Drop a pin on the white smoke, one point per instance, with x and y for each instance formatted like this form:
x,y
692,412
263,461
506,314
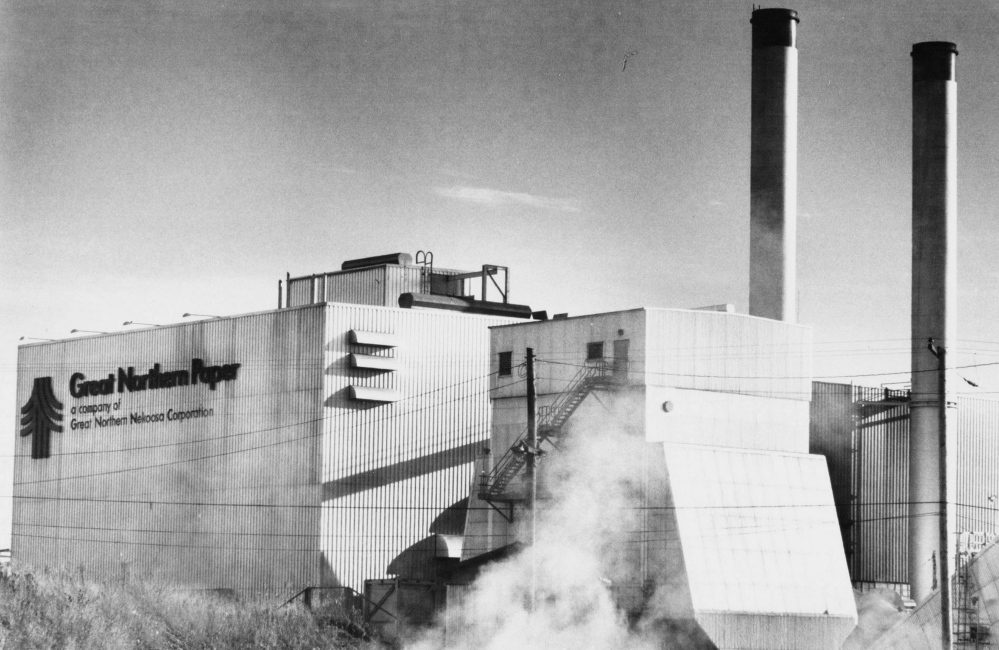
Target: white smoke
x,y
878,611
588,556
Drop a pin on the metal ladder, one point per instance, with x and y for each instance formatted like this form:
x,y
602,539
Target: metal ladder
x,y
968,631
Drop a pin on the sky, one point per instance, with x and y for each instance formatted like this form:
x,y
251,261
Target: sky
x,y
159,158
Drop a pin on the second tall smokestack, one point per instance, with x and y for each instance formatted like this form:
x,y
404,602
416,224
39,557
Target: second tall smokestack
x,y
773,176
934,282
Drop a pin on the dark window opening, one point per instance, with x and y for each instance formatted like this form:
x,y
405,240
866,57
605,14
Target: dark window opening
x,y
505,364
594,351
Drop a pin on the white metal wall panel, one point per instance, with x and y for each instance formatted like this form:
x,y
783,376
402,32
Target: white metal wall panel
x,y
881,485
400,280
301,291
560,348
362,287
732,353
700,417
376,285
226,500
775,631
984,571
389,469
978,464
920,630
759,538
365,531
678,348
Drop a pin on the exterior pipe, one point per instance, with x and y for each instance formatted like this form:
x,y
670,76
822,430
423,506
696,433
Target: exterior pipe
x,y
403,259
934,316
468,305
773,175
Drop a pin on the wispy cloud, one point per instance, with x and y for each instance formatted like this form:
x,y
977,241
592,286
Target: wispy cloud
x,y
495,198
456,174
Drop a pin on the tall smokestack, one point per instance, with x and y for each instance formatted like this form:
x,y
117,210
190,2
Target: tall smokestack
x,y
934,281
773,176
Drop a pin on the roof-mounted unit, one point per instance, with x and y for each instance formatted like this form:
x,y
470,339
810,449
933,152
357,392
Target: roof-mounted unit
x,y
402,259
467,305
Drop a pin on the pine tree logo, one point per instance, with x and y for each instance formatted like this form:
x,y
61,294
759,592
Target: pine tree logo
x,y
40,415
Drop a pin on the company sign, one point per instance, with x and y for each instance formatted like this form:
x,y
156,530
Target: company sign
x,y
42,413
80,386
39,417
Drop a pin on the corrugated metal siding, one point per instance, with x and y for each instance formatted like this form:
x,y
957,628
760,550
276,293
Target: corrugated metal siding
x,y
977,490
877,524
881,489
402,279
728,352
227,501
391,469
301,291
460,610
361,287
377,285
775,631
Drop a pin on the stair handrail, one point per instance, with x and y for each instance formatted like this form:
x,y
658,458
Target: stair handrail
x,y
600,368
509,459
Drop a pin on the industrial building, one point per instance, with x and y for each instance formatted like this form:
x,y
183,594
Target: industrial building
x,y
299,447
739,520
864,434
372,427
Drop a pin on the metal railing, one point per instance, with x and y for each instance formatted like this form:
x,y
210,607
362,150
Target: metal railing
x,y
550,421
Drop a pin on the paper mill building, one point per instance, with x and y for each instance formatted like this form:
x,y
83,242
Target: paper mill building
x,y
273,451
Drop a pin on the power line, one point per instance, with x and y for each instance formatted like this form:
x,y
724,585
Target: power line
x,y
325,418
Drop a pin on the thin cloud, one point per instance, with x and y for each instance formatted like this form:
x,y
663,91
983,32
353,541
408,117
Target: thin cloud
x,y
495,198
456,174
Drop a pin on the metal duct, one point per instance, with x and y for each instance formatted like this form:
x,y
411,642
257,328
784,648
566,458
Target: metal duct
x,y
404,259
934,280
773,178
467,305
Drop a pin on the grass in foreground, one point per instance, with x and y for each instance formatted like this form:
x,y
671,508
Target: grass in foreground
x,y
58,609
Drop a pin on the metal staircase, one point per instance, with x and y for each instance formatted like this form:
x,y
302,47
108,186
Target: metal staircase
x,y
493,486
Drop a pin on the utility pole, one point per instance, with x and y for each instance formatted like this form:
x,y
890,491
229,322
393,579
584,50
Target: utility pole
x,y
532,476
945,623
